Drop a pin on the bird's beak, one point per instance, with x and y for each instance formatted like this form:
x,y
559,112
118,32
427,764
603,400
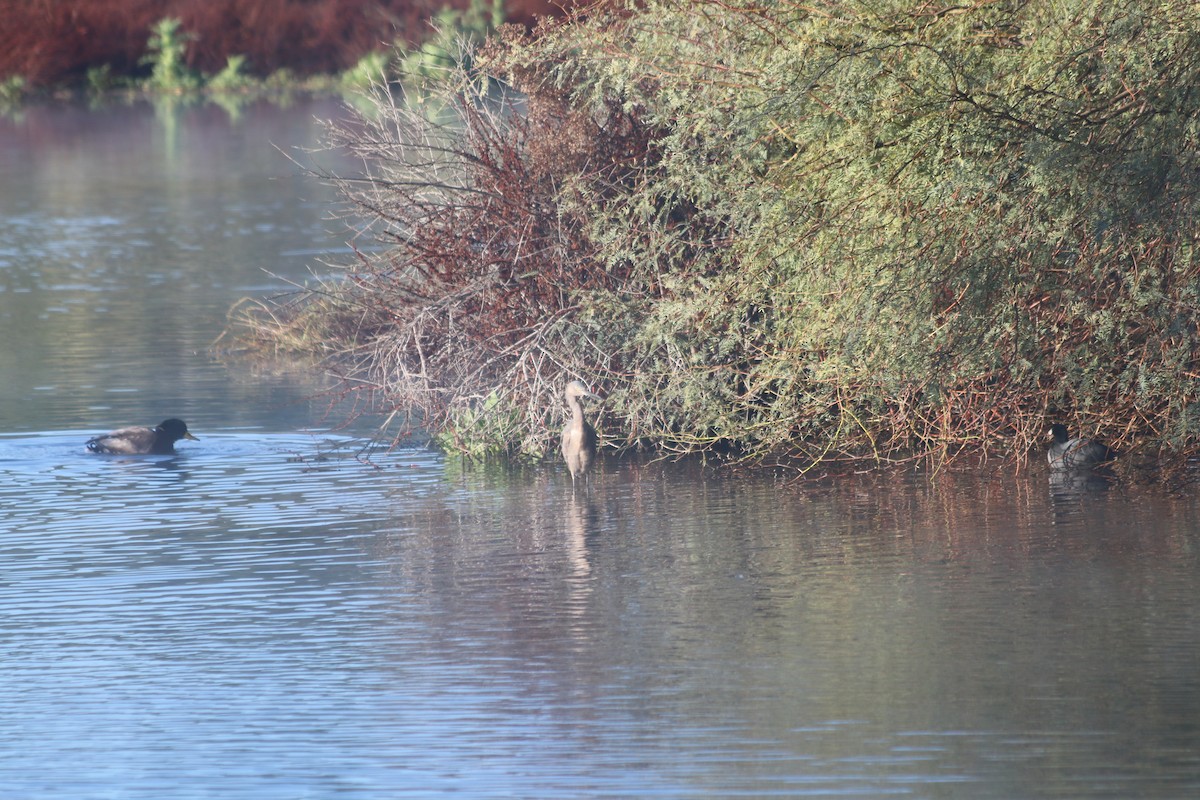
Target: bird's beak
x,y
189,436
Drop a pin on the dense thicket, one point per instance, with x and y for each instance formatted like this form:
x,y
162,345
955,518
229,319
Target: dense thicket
x,y
824,230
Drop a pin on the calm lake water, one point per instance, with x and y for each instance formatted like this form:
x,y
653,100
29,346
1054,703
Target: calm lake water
x,y
267,616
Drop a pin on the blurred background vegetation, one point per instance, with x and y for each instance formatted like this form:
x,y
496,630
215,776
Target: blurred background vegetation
x,y
99,44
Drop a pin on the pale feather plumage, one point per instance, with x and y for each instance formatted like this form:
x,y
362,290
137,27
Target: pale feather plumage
x,y
578,437
140,440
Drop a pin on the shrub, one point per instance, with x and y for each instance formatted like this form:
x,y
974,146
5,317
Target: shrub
x,y
100,79
844,230
888,230
456,35
167,58
370,69
232,78
12,90
466,304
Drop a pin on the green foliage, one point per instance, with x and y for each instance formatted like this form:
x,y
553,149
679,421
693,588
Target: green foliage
x,y
852,230
233,77
478,428
879,229
281,79
12,91
457,33
167,52
371,69
100,79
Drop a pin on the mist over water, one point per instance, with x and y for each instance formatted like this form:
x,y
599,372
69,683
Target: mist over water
x,y
276,612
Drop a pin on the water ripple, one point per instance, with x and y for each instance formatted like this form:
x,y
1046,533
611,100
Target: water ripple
x,y
265,615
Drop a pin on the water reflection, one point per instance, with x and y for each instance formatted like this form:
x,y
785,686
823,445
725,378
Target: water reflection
x,y
675,632
1076,484
581,518
265,615
125,247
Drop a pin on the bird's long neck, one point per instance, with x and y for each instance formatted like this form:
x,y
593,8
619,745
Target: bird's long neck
x,y
576,411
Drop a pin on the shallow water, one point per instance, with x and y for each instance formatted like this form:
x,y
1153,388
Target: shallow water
x,y
268,616
276,612
125,237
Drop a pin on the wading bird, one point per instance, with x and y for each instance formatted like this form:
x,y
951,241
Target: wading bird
x,y
1068,453
140,440
578,437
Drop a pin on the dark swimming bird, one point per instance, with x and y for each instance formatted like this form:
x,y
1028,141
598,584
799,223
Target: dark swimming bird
x,y
139,440
1068,453
578,437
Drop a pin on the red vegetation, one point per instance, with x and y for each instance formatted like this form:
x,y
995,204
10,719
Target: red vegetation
x,y
57,41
